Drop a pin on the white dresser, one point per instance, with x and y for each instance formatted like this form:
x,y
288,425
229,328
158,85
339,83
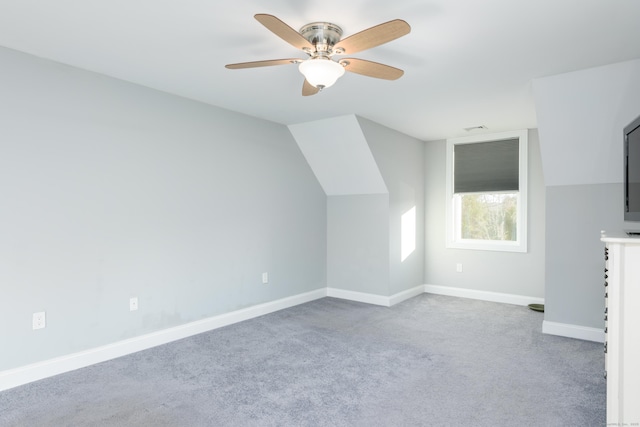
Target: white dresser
x,y
622,328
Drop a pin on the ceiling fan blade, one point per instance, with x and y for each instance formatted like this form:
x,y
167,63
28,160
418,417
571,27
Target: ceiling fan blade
x,y
282,30
267,63
309,89
374,36
371,69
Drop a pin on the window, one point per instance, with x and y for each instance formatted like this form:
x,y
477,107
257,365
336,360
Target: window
x,y
487,192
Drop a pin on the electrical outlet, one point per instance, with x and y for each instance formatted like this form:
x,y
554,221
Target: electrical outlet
x,y
39,320
133,303
459,267
265,278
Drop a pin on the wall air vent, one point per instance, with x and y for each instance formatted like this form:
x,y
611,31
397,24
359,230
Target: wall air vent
x,y
472,128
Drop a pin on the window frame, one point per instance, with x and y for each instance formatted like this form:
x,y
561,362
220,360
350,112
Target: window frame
x,y
453,239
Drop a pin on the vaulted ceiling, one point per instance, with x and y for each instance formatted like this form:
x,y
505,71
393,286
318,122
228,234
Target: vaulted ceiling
x,y
467,62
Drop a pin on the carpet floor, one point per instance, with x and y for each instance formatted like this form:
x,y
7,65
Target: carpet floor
x,y
429,361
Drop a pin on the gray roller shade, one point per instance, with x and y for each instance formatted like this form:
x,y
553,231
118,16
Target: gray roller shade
x,y
486,166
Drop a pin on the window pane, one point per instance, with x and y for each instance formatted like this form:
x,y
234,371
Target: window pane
x,y
489,216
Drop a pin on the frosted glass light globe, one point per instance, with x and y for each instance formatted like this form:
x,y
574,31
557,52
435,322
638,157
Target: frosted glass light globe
x,y
321,72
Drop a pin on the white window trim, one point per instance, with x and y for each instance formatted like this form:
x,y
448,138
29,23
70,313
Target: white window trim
x,y
455,242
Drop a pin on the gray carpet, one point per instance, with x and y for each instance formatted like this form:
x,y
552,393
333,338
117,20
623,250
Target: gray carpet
x,y
429,361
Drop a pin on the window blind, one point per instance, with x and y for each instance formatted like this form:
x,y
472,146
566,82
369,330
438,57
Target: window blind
x,y
486,166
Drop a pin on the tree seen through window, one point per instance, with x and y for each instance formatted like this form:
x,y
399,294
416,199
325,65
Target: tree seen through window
x,y
489,216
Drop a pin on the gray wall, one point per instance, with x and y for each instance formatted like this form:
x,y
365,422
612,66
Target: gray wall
x,y
111,190
358,243
399,158
580,118
504,272
575,259
381,177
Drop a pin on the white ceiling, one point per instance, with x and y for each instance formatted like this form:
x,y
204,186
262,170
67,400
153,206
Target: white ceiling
x,y
466,62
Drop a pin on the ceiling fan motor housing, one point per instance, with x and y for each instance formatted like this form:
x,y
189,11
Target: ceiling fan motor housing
x,y
323,35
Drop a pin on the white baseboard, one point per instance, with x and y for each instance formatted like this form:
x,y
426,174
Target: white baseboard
x,y
358,296
573,331
482,295
375,299
405,295
36,371
551,328
48,368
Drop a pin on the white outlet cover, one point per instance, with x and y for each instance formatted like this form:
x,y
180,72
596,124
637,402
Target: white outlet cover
x,y
133,304
265,278
39,320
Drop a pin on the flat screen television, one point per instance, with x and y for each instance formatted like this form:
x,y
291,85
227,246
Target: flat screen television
x,y
632,171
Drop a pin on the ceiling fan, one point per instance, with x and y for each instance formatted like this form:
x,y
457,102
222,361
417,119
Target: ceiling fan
x,y
321,41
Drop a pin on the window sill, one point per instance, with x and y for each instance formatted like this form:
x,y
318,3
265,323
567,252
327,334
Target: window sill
x,y
488,245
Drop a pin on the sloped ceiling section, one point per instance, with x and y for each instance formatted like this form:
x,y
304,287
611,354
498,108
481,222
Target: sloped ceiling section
x,y
580,119
338,153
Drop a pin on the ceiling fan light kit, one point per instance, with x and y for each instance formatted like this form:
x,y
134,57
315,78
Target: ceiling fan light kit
x,y
321,72
321,41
